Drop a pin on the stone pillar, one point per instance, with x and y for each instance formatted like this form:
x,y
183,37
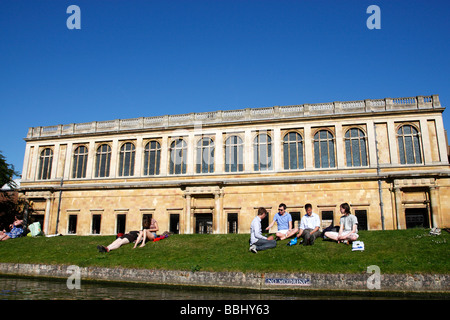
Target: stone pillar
x,y
48,203
435,206
55,161
248,148
187,215
69,152
165,156
442,141
340,148
426,152
276,150
219,153
217,217
309,152
138,157
398,207
90,161
114,157
371,143
392,136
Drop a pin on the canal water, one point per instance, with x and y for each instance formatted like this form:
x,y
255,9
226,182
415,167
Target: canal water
x,y
17,288
12,288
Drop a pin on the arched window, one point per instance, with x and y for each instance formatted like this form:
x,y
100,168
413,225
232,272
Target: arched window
x,y
178,157
45,164
324,149
80,157
355,148
409,145
126,160
293,151
205,155
102,161
262,151
234,154
152,158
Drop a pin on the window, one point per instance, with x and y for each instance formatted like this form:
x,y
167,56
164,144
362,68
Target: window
x,y
203,223
295,219
103,161
293,151
205,155
361,215
327,218
262,151
409,145
178,157
80,157
355,148
126,161
121,220
174,223
234,154
45,164
232,223
72,228
96,223
324,149
152,158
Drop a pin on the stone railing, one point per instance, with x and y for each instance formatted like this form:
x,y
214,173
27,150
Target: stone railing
x,y
248,114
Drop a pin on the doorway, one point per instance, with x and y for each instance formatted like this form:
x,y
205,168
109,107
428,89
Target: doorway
x,y
203,223
417,218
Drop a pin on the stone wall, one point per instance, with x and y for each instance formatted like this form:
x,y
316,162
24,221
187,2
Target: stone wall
x,y
240,280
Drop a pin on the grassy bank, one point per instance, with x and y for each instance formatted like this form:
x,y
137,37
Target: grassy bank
x,y
399,251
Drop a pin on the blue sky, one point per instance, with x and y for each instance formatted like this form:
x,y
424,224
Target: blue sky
x,y
146,58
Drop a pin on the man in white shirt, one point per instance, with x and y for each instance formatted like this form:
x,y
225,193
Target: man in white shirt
x,y
258,242
309,226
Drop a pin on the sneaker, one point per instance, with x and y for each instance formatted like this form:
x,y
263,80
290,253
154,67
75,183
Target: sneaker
x,y
293,242
253,249
101,249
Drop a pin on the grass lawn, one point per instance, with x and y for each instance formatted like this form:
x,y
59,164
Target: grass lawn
x,y
397,251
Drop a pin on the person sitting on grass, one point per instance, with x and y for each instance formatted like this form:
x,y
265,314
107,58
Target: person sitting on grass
x,y
258,242
16,229
129,237
284,222
148,232
309,227
348,229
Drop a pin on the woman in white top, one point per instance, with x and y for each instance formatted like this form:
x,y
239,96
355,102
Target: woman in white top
x,y
348,229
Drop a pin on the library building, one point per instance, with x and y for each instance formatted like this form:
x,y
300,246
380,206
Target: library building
x,y
210,172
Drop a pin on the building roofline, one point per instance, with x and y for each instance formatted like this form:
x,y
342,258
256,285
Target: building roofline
x,y
228,117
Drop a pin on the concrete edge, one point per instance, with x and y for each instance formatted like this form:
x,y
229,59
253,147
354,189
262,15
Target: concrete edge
x,y
413,283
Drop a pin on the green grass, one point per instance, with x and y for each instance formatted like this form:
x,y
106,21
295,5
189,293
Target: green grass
x,y
399,251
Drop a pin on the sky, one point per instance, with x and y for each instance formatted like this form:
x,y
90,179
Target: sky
x,y
142,58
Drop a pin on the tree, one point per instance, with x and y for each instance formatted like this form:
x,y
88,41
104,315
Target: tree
x,y
7,173
10,204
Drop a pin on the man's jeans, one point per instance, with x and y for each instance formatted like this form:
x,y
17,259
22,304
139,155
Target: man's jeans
x,y
263,244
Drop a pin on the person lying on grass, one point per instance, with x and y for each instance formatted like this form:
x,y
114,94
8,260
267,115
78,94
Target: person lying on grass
x,y
129,237
348,229
16,229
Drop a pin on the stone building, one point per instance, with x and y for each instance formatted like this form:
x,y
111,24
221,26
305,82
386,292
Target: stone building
x,y
209,172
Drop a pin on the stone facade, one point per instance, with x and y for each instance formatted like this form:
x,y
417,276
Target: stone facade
x,y
209,172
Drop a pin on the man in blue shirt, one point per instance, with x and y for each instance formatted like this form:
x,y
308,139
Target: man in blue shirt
x,y
284,222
